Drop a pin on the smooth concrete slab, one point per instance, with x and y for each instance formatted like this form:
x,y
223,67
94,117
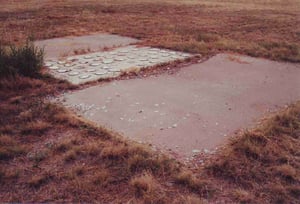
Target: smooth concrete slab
x,y
100,65
197,108
66,46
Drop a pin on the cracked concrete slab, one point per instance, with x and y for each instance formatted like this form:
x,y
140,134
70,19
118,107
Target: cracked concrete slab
x,y
195,109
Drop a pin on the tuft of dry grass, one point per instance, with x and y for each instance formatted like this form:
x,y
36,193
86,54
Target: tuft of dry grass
x,y
147,189
36,181
193,199
71,155
189,180
9,148
101,177
37,127
242,196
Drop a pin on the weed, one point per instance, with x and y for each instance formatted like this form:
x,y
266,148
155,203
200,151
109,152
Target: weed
x,y
26,60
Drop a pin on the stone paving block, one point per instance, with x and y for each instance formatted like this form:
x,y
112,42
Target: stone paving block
x,y
98,65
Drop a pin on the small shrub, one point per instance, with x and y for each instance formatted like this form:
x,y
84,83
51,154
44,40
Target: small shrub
x,y
26,60
6,68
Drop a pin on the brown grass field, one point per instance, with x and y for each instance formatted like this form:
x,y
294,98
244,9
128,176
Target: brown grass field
x,y
47,154
266,28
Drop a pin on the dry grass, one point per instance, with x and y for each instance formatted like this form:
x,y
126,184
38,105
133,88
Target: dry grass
x,y
147,189
189,180
193,199
37,180
49,155
68,159
265,161
9,148
84,160
257,28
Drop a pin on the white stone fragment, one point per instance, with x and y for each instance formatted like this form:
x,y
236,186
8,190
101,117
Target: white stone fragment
x,y
88,57
196,151
62,70
68,65
48,64
54,67
95,64
101,72
73,73
84,76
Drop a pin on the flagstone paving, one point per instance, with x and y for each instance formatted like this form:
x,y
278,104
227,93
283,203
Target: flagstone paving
x,y
108,64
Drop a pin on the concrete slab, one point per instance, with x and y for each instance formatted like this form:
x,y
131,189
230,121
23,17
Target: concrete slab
x,y
59,47
98,65
195,109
